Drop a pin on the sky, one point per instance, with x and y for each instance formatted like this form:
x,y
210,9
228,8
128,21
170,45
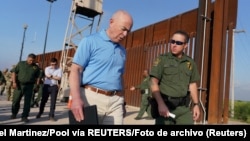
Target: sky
x,y
15,14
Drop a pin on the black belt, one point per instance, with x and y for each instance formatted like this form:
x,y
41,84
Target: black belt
x,y
173,102
26,83
51,85
107,93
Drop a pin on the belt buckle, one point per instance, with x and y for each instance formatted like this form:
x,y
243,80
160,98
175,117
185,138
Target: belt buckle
x,y
114,92
111,93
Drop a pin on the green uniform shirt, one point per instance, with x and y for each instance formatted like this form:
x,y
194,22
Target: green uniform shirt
x,y
144,85
174,74
26,73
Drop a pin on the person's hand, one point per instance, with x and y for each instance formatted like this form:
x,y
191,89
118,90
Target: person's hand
x,y
132,88
77,109
49,76
14,85
196,112
163,110
35,90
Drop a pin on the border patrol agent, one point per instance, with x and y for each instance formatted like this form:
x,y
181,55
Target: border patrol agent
x,y
24,76
173,76
145,93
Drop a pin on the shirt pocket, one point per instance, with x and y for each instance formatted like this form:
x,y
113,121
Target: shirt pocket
x,y
186,76
171,73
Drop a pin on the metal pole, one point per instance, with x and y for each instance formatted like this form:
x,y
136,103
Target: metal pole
x,y
45,42
232,74
25,26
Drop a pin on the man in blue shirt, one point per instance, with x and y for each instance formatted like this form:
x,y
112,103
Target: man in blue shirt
x,y
96,76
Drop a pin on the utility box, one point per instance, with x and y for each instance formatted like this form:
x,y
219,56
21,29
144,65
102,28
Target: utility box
x,y
89,8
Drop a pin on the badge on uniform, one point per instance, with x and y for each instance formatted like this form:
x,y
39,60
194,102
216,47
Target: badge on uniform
x,y
189,66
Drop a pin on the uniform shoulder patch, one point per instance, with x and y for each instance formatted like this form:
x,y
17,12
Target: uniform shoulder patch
x,y
157,61
35,67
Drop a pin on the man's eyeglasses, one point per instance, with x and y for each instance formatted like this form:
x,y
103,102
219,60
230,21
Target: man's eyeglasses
x,y
176,42
53,64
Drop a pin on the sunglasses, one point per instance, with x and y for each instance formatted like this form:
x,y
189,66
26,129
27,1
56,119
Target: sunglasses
x,y
176,42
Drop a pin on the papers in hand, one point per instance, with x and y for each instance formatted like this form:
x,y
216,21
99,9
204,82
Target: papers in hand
x,y
171,115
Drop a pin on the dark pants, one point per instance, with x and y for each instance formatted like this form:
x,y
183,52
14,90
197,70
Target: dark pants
x,y
25,90
52,91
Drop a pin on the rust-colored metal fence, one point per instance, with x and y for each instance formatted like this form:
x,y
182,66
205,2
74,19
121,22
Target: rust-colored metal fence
x,y
210,27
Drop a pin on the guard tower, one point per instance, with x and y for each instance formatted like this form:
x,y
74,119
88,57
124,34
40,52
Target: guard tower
x,y
81,22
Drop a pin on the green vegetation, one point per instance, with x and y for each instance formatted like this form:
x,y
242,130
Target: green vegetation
x,y
242,111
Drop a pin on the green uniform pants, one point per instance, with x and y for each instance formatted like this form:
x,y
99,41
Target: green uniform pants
x,y
144,107
37,99
26,91
183,116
